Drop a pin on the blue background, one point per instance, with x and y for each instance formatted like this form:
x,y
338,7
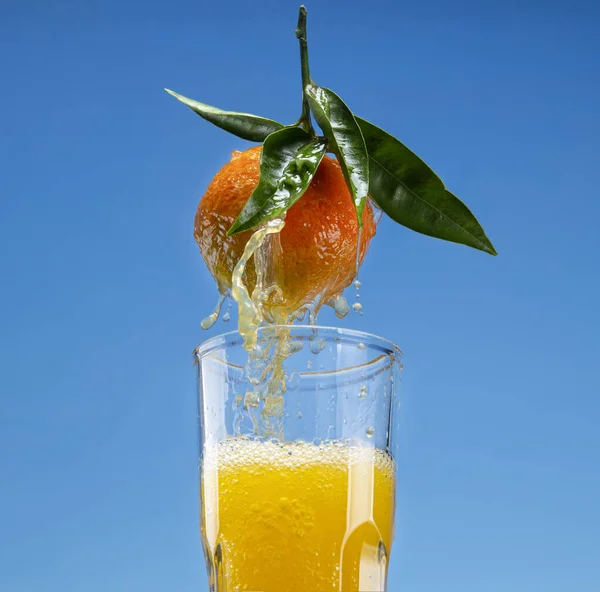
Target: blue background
x,y
102,287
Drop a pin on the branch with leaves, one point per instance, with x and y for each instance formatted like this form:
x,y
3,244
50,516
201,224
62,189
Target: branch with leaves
x,y
374,164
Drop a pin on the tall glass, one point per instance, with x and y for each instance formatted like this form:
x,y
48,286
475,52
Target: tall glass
x,y
297,488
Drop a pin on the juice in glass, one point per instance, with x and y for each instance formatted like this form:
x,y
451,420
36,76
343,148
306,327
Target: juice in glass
x,y
297,517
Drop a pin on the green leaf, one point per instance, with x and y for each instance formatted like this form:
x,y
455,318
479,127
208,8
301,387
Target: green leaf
x,y
289,160
243,125
408,191
346,139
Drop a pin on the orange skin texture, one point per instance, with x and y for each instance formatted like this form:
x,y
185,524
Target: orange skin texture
x,y
315,253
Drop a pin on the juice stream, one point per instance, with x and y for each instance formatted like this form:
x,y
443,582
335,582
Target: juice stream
x,y
265,360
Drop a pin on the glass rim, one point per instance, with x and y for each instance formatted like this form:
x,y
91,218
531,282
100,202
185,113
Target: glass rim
x,y
234,338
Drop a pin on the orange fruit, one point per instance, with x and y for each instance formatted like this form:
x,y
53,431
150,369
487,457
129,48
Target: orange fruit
x,y
314,256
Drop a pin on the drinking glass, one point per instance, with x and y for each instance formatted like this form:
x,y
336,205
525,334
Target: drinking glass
x,y
297,459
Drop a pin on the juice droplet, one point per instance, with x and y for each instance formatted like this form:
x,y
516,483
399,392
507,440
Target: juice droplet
x,y
251,399
299,315
361,346
211,319
299,415
362,393
370,431
357,285
339,305
227,315
317,344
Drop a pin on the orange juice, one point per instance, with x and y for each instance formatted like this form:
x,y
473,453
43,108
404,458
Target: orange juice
x,y
296,517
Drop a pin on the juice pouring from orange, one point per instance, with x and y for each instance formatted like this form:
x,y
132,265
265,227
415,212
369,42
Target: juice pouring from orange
x,y
291,517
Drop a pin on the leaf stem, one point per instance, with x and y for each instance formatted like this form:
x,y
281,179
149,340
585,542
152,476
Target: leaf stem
x,y
304,120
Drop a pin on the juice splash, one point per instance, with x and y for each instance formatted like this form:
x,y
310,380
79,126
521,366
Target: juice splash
x,y
310,263
265,364
211,319
251,306
266,306
297,517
